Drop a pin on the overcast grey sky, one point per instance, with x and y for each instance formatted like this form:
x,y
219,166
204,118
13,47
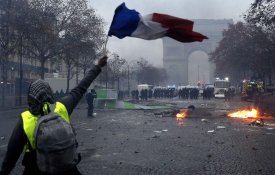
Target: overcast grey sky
x,y
134,48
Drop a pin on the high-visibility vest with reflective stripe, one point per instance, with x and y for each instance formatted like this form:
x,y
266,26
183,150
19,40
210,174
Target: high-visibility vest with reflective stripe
x,y
30,121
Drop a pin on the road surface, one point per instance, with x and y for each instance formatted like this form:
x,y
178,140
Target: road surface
x,y
139,142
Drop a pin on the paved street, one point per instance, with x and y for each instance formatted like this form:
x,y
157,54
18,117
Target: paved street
x,y
139,142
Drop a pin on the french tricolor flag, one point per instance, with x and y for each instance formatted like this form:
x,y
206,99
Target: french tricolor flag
x,y
130,23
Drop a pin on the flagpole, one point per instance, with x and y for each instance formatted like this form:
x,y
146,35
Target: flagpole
x,y
105,45
105,53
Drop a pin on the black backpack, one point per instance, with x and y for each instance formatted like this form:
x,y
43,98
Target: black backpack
x,y
56,145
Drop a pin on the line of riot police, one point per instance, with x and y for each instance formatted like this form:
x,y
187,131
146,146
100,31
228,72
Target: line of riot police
x,y
188,93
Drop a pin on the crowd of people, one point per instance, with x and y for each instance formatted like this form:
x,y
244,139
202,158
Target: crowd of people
x,y
158,93
208,93
182,93
189,93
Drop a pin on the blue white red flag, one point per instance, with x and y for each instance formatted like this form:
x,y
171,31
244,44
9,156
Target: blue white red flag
x,y
130,23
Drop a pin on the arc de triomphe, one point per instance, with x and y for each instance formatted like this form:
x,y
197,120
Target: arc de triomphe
x,y
176,54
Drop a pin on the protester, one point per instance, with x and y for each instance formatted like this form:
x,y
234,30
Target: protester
x,y
40,100
90,101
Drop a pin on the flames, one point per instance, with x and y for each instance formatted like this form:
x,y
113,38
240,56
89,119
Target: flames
x,y
181,115
253,113
245,114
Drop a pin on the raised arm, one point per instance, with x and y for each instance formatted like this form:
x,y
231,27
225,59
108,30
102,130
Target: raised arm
x,y
71,100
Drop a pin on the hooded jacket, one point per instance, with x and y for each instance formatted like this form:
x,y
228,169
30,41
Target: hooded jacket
x,y
19,138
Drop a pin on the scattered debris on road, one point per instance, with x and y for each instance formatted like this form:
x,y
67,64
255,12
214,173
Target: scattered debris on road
x,y
211,131
257,122
164,130
217,142
204,120
88,129
169,113
155,136
220,127
191,107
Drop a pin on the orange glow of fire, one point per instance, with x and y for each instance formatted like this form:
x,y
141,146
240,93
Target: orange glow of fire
x,y
253,113
181,115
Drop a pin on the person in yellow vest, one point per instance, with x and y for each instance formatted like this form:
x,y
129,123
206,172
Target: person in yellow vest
x,y
40,97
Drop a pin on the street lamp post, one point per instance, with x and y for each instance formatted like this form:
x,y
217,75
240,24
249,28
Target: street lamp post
x,y
128,80
12,83
106,85
21,71
198,72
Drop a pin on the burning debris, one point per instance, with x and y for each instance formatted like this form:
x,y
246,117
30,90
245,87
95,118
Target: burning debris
x,y
181,115
253,113
258,122
250,114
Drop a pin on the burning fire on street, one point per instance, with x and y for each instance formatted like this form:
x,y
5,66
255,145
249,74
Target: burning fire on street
x,y
181,115
253,113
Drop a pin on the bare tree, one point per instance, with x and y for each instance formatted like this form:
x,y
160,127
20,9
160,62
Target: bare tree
x,y
91,29
147,73
8,38
139,67
46,20
117,71
262,14
243,52
82,38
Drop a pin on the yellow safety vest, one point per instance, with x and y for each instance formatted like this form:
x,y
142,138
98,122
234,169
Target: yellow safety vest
x,y
30,121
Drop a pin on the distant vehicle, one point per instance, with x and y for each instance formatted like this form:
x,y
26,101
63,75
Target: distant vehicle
x,y
188,87
158,87
220,87
209,86
144,86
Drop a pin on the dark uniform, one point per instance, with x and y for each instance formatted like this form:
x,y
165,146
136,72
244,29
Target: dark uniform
x,y
90,101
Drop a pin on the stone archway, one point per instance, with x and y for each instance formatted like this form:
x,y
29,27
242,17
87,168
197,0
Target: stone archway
x,y
176,54
199,68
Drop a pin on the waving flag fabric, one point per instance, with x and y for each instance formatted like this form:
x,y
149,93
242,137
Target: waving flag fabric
x,y
130,23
